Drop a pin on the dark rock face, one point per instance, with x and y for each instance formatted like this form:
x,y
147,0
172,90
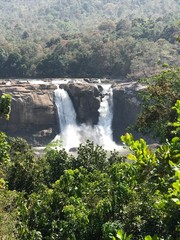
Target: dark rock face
x,y
86,101
126,107
33,113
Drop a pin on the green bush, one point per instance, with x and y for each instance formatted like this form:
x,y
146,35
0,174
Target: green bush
x,y
91,197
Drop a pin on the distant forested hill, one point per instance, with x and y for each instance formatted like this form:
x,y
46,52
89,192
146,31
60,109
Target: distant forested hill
x,y
87,38
43,18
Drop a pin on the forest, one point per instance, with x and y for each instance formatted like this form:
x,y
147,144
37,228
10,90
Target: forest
x,y
123,40
95,194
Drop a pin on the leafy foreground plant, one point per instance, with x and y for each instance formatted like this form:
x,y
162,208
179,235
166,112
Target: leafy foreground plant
x,y
163,165
121,235
93,195
8,213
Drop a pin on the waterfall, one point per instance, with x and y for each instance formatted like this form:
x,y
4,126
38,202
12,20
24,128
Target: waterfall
x,y
67,119
66,112
103,129
72,134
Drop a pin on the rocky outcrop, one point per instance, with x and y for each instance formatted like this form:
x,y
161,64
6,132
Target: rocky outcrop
x,y
126,107
33,113
86,101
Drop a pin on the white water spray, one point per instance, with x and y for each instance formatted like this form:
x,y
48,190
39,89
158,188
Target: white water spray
x,y
67,120
103,129
72,134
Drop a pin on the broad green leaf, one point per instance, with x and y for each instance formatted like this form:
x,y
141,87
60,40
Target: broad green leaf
x,y
176,200
148,237
175,139
177,173
172,163
120,234
131,157
129,237
176,185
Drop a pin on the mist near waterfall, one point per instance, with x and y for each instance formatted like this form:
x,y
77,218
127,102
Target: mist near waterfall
x,y
69,133
73,134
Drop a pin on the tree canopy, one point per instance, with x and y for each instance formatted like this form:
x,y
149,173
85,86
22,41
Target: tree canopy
x,y
157,99
93,195
126,39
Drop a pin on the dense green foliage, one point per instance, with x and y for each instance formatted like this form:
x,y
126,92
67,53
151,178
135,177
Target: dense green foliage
x,y
157,99
87,39
8,212
44,18
94,194
5,106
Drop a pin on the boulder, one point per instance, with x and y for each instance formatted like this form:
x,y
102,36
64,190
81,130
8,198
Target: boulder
x,y
33,113
86,101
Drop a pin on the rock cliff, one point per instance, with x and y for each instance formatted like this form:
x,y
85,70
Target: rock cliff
x,y
126,107
86,101
34,114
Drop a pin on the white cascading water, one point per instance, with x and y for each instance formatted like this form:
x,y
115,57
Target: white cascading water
x,y
72,134
103,129
67,120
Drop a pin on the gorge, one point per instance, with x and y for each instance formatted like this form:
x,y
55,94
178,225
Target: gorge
x,y
96,110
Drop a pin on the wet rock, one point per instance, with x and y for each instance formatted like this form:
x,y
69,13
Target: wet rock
x,y
86,101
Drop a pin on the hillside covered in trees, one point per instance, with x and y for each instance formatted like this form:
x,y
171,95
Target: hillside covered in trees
x,y
95,194
58,38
